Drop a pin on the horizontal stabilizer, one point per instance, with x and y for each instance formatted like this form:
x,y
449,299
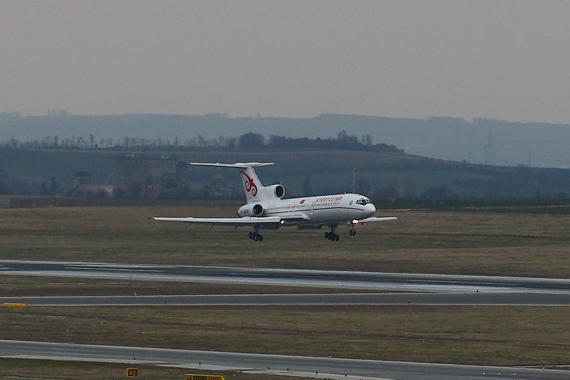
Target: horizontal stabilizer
x,y
239,165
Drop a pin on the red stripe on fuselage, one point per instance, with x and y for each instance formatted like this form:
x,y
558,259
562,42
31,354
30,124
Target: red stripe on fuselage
x,y
316,209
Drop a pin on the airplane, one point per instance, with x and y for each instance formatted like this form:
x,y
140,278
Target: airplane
x,y
266,208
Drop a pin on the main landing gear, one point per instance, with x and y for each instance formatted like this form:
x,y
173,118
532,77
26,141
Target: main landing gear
x,y
331,235
334,237
255,236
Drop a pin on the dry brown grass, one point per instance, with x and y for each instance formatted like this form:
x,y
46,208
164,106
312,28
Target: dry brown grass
x,y
69,370
470,335
428,242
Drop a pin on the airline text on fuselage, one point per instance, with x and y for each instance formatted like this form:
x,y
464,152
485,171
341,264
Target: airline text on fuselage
x,y
328,199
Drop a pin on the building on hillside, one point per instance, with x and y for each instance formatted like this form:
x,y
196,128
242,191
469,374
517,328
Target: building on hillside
x,y
97,191
165,170
81,178
218,189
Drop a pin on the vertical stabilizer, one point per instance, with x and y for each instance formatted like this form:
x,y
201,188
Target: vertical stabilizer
x,y
251,184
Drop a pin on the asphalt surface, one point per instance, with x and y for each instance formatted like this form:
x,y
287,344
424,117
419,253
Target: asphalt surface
x,y
271,364
285,277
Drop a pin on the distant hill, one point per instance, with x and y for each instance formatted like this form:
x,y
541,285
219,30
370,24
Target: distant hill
x,y
382,175
480,141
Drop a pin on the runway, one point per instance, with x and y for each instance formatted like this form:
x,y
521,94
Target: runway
x,y
290,277
270,364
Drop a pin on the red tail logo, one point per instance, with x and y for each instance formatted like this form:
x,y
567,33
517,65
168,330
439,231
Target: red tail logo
x,y
250,187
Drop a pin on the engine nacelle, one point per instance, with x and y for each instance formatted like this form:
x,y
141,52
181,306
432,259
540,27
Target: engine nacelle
x,y
271,192
278,191
258,210
252,210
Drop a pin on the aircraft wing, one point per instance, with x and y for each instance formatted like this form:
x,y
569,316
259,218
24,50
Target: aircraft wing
x,y
232,222
294,218
377,219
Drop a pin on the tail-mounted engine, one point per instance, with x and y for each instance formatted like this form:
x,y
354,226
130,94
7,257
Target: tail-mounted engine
x,y
252,210
258,210
271,192
277,191
265,194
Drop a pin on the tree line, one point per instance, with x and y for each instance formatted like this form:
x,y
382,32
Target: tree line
x,y
250,140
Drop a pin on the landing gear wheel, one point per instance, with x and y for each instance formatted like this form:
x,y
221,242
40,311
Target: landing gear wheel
x,y
331,235
255,236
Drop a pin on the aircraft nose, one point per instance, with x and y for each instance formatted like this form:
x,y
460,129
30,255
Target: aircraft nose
x,y
369,209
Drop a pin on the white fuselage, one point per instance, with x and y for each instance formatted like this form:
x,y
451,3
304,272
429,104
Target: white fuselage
x,y
327,209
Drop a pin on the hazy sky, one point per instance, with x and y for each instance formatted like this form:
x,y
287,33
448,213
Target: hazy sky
x,y
296,58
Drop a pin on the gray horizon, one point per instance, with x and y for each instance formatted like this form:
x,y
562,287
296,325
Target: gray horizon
x,y
294,59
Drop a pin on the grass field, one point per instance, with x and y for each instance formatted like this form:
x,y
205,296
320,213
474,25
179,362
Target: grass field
x,y
421,242
46,369
469,335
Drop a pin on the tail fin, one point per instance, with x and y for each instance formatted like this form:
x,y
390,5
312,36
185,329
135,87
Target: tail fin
x,y
251,184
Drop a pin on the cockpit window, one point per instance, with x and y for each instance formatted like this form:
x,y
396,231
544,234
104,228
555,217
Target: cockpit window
x,y
363,201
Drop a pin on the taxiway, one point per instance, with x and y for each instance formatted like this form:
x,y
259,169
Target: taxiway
x,y
270,364
289,277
